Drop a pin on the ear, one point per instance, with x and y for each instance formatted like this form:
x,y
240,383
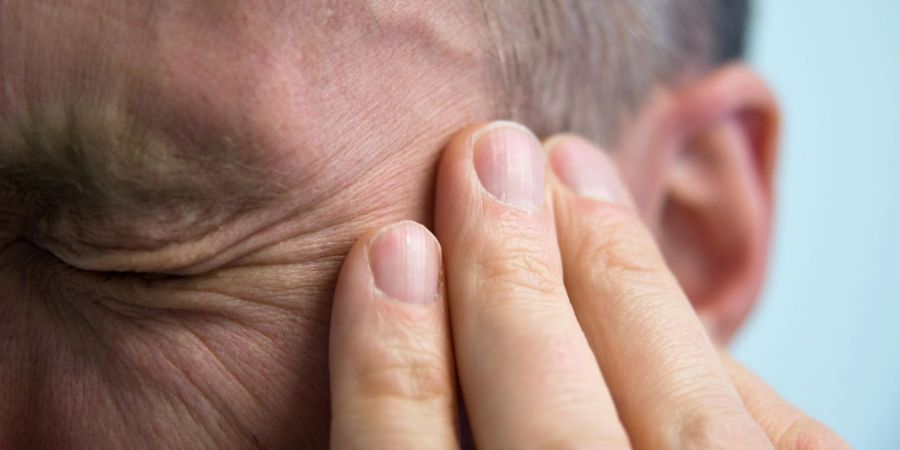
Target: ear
x,y
702,167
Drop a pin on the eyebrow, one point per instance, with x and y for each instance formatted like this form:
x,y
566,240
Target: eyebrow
x,y
103,165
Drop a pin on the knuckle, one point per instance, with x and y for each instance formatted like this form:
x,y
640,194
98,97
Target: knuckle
x,y
406,374
583,443
716,430
808,434
519,270
616,240
612,263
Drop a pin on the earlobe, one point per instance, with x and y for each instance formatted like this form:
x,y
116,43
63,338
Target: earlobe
x,y
711,206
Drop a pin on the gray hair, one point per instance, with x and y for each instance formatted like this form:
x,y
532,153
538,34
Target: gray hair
x,y
586,65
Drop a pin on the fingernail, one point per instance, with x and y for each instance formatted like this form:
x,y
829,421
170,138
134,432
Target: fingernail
x,y
510,165
585,170
406,263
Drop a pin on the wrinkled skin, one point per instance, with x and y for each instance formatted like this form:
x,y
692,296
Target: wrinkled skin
x,y
201,322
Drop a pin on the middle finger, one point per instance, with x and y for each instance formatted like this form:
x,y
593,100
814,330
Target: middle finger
x,y
528,376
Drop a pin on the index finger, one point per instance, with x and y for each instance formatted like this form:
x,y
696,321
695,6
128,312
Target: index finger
x,y
391,367
665,376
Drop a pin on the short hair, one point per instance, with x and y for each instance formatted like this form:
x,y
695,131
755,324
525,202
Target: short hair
x,y
585,66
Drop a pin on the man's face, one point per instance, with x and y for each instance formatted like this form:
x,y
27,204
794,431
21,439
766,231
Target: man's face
x,y
181,182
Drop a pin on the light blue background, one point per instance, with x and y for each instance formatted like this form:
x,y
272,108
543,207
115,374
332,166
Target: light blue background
x,y
827,335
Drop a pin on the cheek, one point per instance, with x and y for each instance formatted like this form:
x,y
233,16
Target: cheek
x,y
81,366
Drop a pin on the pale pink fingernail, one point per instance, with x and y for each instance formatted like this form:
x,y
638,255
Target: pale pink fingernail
x,y
510,165
406,263
585,170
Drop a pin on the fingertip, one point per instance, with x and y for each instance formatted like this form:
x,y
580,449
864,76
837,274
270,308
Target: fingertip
x,y
503,160
353,280
405,261
510,165
400,262
586,169
454,181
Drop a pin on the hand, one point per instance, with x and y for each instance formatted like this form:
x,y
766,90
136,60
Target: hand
x,y
546,279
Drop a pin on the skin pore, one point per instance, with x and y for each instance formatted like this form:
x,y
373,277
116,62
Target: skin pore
x,y
124,324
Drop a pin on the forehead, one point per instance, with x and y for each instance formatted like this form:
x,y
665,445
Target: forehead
x,y
126,109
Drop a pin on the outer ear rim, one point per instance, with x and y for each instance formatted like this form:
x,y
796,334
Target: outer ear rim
x,y
733,89
686,110
737,91
731,93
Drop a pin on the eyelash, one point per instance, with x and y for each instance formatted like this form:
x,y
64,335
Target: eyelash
x,y
54,279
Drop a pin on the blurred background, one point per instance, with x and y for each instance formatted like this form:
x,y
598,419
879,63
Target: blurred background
x,y
827,333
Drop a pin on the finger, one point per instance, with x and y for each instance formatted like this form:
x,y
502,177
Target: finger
x,y
527,374
392,376
665,376
787,427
